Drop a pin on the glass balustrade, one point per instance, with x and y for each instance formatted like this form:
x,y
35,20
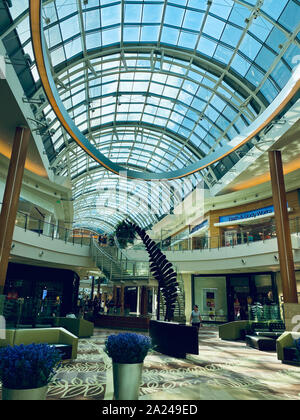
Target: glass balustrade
x,y
240,235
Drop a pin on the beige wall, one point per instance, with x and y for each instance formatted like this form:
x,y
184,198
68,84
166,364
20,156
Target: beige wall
x,y
217,283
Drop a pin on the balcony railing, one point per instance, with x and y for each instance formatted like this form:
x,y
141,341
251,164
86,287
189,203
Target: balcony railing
x,y
54,231
246,234
113,262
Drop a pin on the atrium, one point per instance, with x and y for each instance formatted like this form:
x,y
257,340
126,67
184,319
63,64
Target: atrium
x,y
150,185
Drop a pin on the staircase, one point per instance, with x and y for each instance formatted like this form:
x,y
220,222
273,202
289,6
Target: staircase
x,y
115,265
112,262
179,312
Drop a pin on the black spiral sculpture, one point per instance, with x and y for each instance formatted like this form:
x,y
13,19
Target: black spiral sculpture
x,y
162,271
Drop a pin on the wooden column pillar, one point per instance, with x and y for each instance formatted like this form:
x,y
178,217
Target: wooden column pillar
x,y
11,198
286,259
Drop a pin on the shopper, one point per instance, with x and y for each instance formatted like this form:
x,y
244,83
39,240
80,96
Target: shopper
x,y
196,319
104,240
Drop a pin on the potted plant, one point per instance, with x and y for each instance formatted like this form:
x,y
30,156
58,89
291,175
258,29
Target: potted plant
x,y
128,351
26,370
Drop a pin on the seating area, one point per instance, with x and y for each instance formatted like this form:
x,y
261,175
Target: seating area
x,y
77,326
18,319
239,330
261,342
65,341
265,336
216,373
287,350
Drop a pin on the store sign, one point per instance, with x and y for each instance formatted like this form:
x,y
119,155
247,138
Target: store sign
x,y
247,214
200,226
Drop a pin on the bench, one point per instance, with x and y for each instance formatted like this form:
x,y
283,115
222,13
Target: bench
x,y
261,343
77,326
286,348
59,337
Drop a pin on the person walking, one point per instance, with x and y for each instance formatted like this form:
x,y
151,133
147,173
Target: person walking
x,y
196,319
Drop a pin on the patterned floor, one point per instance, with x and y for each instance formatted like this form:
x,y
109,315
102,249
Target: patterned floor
x,y
222,371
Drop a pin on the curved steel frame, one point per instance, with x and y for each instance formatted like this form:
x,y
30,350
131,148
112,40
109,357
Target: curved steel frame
x,y
48,83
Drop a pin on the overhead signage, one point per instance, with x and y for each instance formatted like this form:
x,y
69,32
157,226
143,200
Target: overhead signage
x,y
198,227
247,214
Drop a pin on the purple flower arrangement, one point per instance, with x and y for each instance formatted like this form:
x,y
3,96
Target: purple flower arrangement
x,y
127,347
28,366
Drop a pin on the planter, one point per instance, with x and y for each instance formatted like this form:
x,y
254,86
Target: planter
x,y
24,394
127,380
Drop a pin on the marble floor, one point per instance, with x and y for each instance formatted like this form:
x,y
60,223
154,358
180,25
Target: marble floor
x,y
225,371
222,371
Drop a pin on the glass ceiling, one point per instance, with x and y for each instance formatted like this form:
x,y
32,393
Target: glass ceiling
x,y
156,85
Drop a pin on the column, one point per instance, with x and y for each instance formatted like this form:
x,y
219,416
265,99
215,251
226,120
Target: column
x,y
138,300
98,286
11,198
144,301
47,225
93,287
286,260
122,301
115,295
153,301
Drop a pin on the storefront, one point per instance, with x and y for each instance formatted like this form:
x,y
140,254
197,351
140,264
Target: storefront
x,y
231,297
192,237
180,241
199,235
50,291
248,226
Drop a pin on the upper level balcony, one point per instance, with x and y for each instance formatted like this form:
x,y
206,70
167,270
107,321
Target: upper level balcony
x,y
45,244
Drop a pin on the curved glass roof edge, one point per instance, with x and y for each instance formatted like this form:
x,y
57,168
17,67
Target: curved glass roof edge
x,y
54,98
257,22
114,126
205,63
213,138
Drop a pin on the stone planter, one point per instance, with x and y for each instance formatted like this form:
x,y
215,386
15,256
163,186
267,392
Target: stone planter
x,y
24,394
127,379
